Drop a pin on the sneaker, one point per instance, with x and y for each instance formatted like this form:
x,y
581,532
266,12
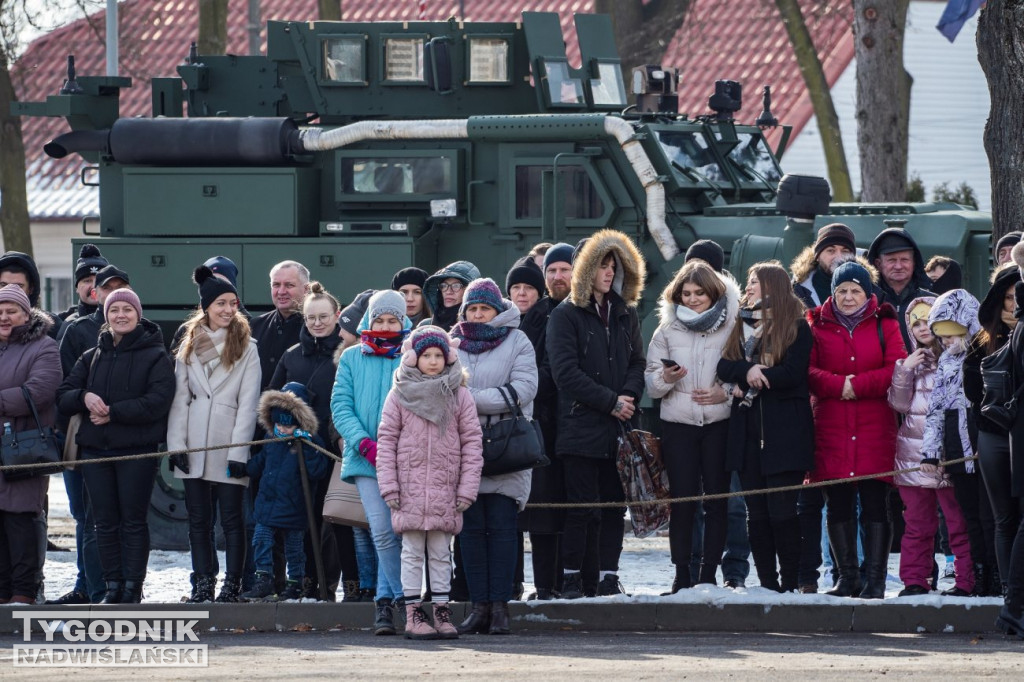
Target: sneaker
x,y
292,591
443,622
262,590
72,597
572,586
913,591
609,586
949,571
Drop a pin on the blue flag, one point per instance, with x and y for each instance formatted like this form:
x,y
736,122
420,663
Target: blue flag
x,y
956,14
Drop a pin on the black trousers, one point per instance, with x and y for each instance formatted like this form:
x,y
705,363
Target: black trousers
x,y
694,458
809,507
973,500
589,479
19,555
547,562
994,458
842,501
200,497
119,493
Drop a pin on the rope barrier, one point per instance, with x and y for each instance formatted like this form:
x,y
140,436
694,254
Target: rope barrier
x,y
531,505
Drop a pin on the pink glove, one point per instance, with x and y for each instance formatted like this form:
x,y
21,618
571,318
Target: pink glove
x,y
368,449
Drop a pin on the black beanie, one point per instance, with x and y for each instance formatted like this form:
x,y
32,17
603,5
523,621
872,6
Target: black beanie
x,y
90,261
576,250
210,286
559,253
708,251
409,276
354,311
525,271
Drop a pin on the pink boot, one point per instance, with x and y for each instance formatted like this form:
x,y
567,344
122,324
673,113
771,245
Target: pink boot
x,y
417,626
443,622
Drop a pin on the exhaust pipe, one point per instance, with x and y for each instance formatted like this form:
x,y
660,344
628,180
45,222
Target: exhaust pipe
x,y
78,141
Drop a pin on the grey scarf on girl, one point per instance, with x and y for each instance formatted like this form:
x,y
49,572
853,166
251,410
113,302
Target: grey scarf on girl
x,y
706,322
430,397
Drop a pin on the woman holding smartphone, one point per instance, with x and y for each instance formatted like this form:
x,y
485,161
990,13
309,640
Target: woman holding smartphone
x,y
698,310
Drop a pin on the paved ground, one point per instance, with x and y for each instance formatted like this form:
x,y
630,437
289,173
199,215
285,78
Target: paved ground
x,y
595,656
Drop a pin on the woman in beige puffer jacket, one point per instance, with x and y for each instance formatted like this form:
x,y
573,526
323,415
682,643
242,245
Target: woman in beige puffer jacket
x,y
698,311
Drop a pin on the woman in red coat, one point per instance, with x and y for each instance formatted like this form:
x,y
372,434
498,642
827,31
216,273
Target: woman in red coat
x,y
856,345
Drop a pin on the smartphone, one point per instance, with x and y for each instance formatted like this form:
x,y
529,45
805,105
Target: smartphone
x,y
669,363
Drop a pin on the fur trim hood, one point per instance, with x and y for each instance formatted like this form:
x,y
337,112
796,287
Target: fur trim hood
x,y
302,412
667,309
38,326
805,263
630,274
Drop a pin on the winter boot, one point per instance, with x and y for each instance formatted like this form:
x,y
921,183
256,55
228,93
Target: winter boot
x,y
132,593
310,588
981,578
876,559
368,594
995,582
913,591
787,545
261,589
499,618
351,588
384,618
292,591
114,590
572,586
202,588
708,574
72,597
842,536
681,581
762,548
609,586
230,590
443,622
417,625
478,621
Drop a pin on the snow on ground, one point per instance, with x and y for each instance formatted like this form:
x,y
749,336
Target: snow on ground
x,y
645,571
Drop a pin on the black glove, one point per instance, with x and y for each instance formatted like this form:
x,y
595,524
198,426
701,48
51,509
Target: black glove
x,y
180,462
236,470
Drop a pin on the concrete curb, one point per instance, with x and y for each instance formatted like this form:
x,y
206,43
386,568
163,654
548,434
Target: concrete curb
x,y
878,617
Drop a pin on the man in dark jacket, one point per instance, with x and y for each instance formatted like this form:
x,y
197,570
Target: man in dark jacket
x,y
812,269
901,266
82,333
90,261
277,331
596,357
19,269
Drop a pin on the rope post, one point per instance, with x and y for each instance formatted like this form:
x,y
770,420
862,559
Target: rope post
x,y
314,531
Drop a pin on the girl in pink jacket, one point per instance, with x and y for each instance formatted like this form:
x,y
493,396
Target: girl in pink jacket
x,y
429,458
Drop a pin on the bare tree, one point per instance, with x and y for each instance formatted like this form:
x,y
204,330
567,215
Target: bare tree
x,y
821,98
213,27
1001,54
883,98
329,10
14,221
643,31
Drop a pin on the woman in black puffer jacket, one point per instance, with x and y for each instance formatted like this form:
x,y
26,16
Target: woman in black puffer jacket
x,y
123,389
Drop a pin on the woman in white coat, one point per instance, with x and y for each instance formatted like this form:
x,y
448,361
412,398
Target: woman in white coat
x,y
217,373
698,311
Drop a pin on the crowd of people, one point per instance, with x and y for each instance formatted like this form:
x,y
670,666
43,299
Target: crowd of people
x,y
843,366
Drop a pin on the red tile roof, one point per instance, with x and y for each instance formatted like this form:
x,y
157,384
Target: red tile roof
x,y
741,40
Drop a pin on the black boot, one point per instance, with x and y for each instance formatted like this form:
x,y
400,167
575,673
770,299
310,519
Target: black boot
x,y
384,620
262,588
115,588
981,579
230,590
995,582
1010,622
842,536
762,548
132,593
787,546
681,581
351,588
876,559
572,586
479,619
499,618
202,589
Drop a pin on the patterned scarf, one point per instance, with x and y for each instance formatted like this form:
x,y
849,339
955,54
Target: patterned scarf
x,y
382,344
207,345
430,397
478,337
706,322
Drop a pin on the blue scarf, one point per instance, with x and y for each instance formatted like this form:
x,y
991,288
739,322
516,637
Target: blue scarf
x,y
479,337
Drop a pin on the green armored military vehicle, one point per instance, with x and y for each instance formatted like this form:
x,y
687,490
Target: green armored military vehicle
x,y
359,149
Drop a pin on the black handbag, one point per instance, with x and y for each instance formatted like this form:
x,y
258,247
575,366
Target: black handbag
x,y
999,403
36,446
513,444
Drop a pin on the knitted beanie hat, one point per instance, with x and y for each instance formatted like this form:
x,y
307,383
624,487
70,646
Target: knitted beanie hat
x,y
525,271
559,253
852,271
222,265
485,291
1010,239
14,294
409,276
126,295
354,311
708,251
386,302
833,234
426,337
90,261
210,287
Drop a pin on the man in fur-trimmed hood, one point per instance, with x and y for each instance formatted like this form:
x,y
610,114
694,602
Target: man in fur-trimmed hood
x,y
597,363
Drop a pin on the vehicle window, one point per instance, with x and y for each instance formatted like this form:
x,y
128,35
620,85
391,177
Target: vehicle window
x,y
396,175
690,150
752,154
581,196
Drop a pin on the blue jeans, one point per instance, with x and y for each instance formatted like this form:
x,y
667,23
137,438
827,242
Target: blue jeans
x,y
388,545
366,558
489,546
294,551
90,572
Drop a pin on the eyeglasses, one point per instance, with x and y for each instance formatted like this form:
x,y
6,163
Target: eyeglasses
x,y
322,318
452,286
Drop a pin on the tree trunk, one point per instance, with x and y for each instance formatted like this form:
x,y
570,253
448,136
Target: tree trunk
x,y
213,27
821,98
883,98
1001,54
329,10
643,31
14,223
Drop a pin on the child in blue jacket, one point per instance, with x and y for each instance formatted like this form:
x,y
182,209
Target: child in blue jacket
x,y
280,502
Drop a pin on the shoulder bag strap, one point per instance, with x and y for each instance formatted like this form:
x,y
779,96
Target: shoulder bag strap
x,y
32,407
881,336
